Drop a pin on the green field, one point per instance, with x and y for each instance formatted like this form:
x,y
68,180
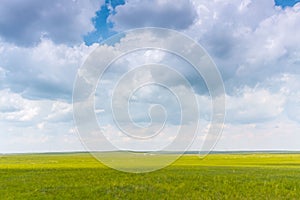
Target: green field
x,y
218,176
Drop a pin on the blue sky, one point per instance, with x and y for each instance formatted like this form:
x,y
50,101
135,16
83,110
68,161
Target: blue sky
x,y
103,29
286,3
254,43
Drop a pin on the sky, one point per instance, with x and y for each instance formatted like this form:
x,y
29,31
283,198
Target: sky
x,y
254,43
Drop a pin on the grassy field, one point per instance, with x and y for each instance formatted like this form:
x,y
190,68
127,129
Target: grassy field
x,y
218,176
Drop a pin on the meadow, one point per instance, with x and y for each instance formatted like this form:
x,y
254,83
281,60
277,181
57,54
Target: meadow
x,y
218,176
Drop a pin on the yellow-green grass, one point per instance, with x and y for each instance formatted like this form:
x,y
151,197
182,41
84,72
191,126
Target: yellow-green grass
x,y
217,176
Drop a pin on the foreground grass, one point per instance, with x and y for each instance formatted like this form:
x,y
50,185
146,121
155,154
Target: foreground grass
x,y
80,176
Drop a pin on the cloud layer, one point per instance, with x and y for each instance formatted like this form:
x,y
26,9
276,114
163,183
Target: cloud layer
x,y
254,43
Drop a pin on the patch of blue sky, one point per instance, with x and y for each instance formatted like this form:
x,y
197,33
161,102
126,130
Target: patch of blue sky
x,y
286,3
103,28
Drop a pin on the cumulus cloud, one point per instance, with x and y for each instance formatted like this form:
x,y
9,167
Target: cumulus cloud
x,y
254,106
274,46
254,43
35,125
45,71
25,23
176,78
16,109
159,13
249,42
60,112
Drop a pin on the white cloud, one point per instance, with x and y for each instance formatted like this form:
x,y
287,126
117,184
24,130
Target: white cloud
x,y
63,21
31,139
35,125
159,13
60,112
44,71
2,74
255,45
250,41
41,126
279,134
256,105
14,108
274,45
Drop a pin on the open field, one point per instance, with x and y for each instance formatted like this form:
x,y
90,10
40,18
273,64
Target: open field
x,y
218,176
